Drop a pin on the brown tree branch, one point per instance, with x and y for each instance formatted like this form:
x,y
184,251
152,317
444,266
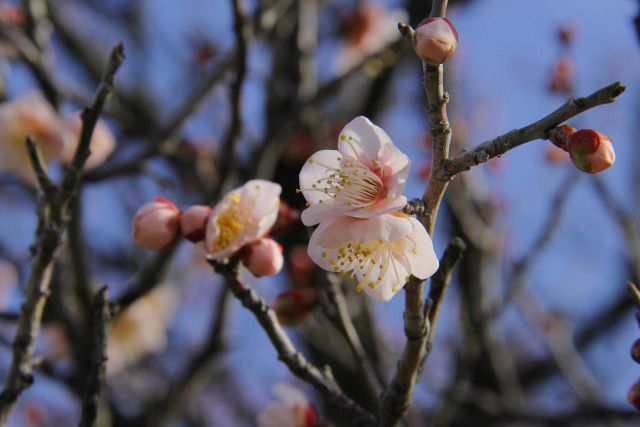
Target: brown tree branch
x,y
287,352
52,221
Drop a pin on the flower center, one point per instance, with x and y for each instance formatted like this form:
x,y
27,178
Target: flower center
x,y
230,222
373,258
352,183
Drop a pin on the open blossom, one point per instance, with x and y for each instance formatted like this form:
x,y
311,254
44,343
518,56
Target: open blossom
x,y
102,142
382,251
155,224
365,177
29,115
292,409
243,216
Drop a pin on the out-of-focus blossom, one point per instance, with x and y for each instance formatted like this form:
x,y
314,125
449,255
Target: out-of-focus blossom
x,y
102,142
141,328
382,251
243,216
30,115
300,265
555,155
633,395
365,177
561,78
155,224
435,40
293,305
263,257
366,31
292,409
287,218
193,222
591,151
11,14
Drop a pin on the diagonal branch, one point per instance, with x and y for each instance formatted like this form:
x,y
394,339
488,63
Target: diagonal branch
x,y
287,352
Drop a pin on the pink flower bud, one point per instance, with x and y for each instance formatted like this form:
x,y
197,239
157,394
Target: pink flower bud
x,y
293,305
635,351
155,225
435,40
263,257
193,222
590,151
633,395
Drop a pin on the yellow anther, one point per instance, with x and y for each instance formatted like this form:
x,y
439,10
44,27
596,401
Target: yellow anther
x,y
415,251
324,254
343,137
359,287
394,290
310,160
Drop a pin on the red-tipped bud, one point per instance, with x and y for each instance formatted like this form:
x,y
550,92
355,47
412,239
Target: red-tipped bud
x,y
293,305
635,351
263,257
633,395
155,224
435,40
287,218
590,151
193,222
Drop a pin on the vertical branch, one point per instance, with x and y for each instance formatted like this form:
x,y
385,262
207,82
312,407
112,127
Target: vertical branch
x,y
53,210
102,315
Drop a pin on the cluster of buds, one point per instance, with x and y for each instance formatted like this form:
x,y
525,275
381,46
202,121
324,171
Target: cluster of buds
x,y
435,40
237,225
590,151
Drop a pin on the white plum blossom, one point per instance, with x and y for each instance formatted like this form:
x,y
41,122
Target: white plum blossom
x,y
243,216
381,251
364,178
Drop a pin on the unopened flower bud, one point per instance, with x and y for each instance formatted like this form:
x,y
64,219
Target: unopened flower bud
x,y
193,222
635,351
155,224
287,218
435,40
590,151
263,257
633,395
293,305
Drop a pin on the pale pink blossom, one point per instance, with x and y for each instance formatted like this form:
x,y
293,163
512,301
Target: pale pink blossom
x,y
263,257
382,252
102,142
367,30
193,222
365,177
435,40
155,224
292,409
243,216
30,115
141,328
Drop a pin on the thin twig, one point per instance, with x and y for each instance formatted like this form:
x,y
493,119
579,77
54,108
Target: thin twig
x,y
287,352
336,297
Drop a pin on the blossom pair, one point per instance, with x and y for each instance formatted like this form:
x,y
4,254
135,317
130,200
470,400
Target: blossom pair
x,y
32,115
355,194
237,225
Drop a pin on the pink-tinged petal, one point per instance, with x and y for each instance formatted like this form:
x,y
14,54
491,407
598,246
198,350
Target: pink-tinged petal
x,y
370,140
325,237
380,208
320,212
424,262
385,227
395,169
315,169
